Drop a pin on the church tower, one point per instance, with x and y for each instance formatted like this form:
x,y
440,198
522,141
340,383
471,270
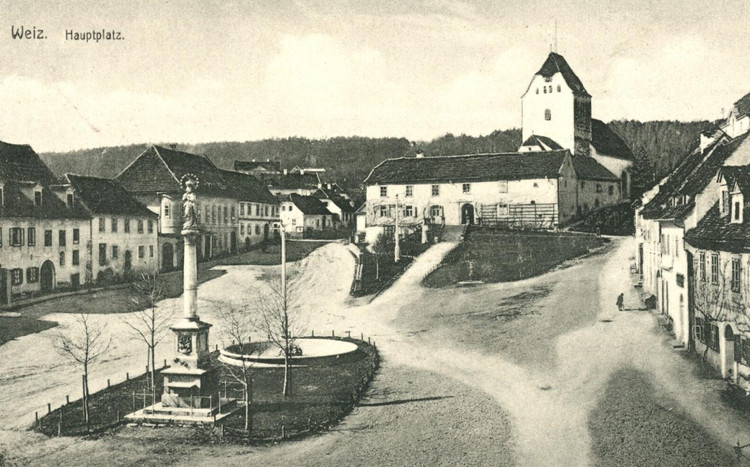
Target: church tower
x,y
556,109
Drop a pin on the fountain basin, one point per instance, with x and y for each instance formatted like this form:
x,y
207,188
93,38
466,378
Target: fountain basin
x,y
315,351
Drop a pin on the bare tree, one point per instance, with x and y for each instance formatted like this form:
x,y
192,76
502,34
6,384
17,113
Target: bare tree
x,y
85,344
278,317
238,326
148,324
381,247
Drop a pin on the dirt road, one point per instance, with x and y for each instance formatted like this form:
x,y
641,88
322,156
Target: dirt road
x,y
505,374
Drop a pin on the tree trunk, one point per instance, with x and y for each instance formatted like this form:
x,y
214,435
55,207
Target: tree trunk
x,y
248,399
377,269
153,369
86,395
286,392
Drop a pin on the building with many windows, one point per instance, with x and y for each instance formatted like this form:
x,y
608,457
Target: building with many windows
x,y
43,238
301,215
155,179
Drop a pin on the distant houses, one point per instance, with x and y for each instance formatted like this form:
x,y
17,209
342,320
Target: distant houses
x,y
303,215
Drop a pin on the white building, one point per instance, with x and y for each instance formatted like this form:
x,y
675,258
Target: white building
x,y
302,215
738,120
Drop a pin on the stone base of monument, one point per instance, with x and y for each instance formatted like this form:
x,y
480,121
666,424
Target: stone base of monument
x,y
167,415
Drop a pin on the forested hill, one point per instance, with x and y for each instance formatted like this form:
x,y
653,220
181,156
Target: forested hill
x,y
660,145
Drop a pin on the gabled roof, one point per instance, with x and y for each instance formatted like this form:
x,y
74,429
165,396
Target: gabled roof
x,y
607,142
542,142
159,170
340,201
691,177
737,175
18,204
295,181
742,106
587,168
106,196
309,205
556,63
19,162
717,232
468,168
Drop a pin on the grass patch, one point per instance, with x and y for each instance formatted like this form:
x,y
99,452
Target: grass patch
x,y
378,273
13,328
322,395
609,220
295,251
506,255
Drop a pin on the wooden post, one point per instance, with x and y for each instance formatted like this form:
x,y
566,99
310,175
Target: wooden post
x,y
49,407
332,333
36,415
127,376
312,333
144,401
108,384
361,336
59,424
67,399
349,334
133,401
165,363
283,433
368,340
118,416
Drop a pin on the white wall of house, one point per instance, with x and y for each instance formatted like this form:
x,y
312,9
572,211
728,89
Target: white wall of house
x,y
141,240
534,104
735,127
292,218
453,196
674,294
25,256
255,219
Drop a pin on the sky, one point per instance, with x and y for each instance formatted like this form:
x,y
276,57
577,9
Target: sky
x,y
202,71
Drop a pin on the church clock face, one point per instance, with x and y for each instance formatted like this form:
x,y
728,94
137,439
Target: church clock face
x,y
185,343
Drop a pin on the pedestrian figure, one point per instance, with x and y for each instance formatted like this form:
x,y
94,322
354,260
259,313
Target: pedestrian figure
x,y
620,301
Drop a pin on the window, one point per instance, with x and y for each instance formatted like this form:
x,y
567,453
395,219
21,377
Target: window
x,y
435,190
76,258
31,236
436,211
16,236
383,211
151,251
547,114
226,214
102,254
242,229
62,238
166,210
151,224
32,275
37,198
698,329
140,226
62,258
598,187
76,236
257,229
242,209
141,251
257,209
466,188
114,225
536,185
736,210
208,214
266,211
537,90
16,276
47,238
724,202
735,274
502,186
558,88
409,211
611,190
101,225
70,200
115,252
714,268
213,214
127,225
231,214
409,191
383,191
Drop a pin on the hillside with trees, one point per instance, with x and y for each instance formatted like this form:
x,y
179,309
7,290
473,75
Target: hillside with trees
x,y
658,145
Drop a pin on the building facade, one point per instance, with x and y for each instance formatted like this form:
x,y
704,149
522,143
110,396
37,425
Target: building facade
x,y
302,215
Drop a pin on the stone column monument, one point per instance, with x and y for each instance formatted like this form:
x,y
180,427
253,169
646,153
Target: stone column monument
x,y
191,381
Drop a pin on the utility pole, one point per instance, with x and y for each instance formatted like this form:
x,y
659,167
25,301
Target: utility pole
x,y
396,247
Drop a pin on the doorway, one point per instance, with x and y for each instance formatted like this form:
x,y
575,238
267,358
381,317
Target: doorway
x,y
47,276
467,214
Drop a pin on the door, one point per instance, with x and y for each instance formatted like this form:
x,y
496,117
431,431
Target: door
x,y
467,214
47,276
167,257
728,349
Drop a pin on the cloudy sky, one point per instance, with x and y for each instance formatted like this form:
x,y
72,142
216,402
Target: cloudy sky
x,y
202,71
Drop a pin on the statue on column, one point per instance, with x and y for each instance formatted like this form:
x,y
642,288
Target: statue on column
x,y
189,215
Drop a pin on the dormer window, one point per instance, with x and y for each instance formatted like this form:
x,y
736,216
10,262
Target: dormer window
x,y
737,208
37,198
736,215
559,88
69,200
724,206
2,196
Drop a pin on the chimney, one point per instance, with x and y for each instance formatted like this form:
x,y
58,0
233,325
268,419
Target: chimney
x,y
285,172
420,154
172,146
328,185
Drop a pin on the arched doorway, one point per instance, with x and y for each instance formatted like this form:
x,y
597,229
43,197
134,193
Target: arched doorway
x,y
167,257
233,242
47,276
467,214
247,243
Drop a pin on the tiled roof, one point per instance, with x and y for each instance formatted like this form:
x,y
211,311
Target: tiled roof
x,y
739,175
587,168
690,178
309,205
19,162
18,204
743,105
106,196
160,169
248,166
543,142
607,142
341,202
468,168
716,232
556,63
294,181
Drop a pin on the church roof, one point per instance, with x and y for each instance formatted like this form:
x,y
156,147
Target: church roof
x,y
543,142
587,168
556,63
468,168
609,143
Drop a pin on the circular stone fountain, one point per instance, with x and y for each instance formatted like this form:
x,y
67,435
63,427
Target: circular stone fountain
x,y
314,351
